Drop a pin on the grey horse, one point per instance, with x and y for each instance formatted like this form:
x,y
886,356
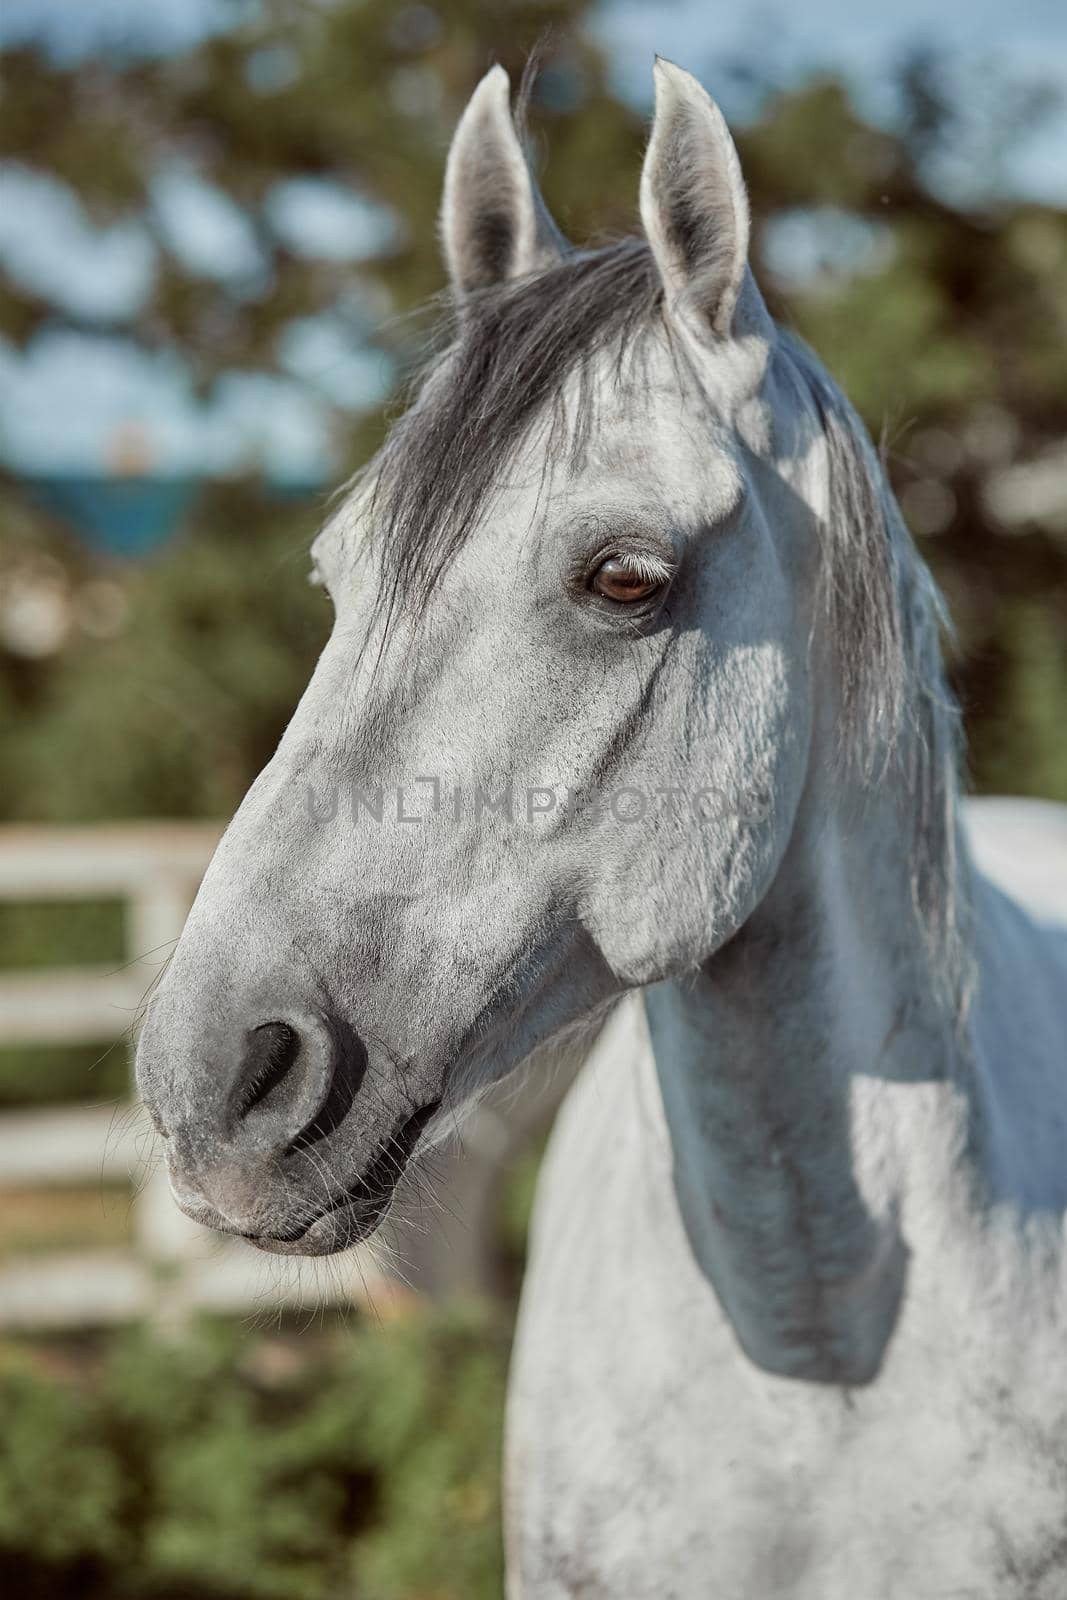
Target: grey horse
x,y
632,730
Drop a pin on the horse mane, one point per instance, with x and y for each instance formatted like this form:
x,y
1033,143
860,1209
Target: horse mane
x,y
885,617
533,351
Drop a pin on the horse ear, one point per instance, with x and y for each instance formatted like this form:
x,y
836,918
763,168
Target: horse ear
x,y
494,223
693,202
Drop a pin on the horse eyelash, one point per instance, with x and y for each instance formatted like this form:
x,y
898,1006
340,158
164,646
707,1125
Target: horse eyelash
x,y
648,568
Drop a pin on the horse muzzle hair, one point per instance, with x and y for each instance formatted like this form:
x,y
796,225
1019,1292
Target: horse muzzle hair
x,y
253,1116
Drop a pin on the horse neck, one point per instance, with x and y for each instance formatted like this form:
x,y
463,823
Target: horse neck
x,y
758,1058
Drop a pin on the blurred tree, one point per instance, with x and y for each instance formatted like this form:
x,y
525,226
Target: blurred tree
x,y
175,707
942,312
945,319
351,1464
364,95
182,698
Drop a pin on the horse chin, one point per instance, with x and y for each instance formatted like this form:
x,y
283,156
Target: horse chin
x,y
356,1213
328,1235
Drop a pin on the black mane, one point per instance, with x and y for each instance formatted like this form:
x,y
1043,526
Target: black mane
x,y
515,349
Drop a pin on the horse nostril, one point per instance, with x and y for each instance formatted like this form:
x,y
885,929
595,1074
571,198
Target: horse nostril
x,y
273,1050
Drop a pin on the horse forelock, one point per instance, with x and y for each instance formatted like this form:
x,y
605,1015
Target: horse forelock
x,y
513,355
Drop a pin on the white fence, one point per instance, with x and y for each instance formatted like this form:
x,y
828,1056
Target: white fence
x,y
170,1267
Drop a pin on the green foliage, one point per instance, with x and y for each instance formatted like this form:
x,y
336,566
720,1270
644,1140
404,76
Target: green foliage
x,y
950,335
362,1464
950,342
365,93
899,321
177,713
61,1487
1022,733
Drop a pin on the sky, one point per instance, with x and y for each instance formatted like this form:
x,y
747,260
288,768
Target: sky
x,y
64,400
1026,41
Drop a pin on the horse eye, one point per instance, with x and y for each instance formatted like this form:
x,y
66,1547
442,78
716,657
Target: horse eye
x,y
617,580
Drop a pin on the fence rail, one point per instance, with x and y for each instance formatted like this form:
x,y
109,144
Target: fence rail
x,y
171,1267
